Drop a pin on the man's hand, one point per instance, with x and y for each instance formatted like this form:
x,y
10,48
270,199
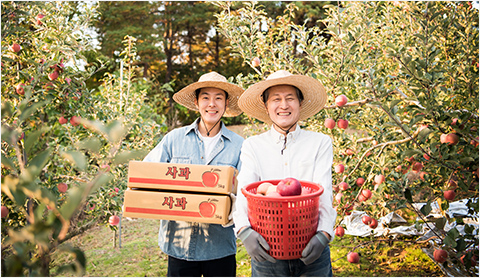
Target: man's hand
x,y
256,245
233,199
314,248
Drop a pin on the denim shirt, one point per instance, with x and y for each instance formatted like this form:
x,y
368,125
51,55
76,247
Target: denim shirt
x,y
194,241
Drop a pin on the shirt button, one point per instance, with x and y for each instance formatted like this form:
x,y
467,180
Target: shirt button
x,y
201,157
286,163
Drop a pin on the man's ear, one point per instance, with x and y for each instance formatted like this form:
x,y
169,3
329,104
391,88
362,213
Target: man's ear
x,y
196,103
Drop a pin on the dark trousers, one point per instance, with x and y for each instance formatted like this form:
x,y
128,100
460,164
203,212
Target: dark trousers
x,y
223,267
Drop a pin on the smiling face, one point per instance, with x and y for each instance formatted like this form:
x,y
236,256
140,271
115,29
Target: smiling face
x,y
283,106
211,103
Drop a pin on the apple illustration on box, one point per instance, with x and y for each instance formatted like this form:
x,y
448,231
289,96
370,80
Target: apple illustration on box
x,y
210,178
207,208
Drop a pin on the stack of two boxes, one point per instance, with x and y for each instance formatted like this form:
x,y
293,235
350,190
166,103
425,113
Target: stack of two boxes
x,y
183,192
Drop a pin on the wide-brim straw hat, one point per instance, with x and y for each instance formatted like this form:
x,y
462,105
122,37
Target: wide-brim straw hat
x,y
314,95
186,96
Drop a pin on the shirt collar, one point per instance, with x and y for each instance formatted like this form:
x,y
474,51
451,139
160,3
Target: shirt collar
x,y
278,137
224,130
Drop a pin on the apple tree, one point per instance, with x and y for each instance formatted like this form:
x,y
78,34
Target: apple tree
x,y
402,80
64,147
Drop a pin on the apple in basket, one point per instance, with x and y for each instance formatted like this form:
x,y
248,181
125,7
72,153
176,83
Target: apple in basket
x,y
263,188
289,187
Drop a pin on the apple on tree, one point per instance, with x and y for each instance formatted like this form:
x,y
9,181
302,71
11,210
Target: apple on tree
x,y
339,231
440,255
62,120
62,187
256,62
366,220
5,211
340,168
343,124
341,100
114,220
353,257
330,123
449,195
373,223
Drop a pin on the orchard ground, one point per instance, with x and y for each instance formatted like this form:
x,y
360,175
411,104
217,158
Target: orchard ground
x,y
140,255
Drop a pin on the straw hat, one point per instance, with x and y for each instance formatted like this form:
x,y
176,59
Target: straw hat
x,y
315,97
186,96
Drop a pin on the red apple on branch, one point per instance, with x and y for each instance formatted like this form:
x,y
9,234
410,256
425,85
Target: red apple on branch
x,y
39,18
5,211
341,100
379,179
449,195
62,187
15,47
54,75
343,124
329,123
343,186
366,220
340,231
360,181
114,220
62,120
366,193
289,187
20,89
353,257
256,62
339,168
373,224
440,255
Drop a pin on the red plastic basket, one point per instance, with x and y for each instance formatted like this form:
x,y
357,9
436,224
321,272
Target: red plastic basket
x,y
286,223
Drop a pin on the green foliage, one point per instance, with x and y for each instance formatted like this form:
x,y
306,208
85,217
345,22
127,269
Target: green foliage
x,y
40,151
410,72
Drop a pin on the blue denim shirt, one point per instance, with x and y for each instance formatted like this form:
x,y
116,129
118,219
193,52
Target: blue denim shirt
x,y
194,241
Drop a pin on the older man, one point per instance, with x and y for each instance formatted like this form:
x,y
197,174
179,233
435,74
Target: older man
x,y
286,150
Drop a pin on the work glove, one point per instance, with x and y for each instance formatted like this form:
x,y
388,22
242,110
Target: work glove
x,y
256,245
233,198
314,248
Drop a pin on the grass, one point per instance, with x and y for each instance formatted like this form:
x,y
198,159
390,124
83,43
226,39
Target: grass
x,y
140,255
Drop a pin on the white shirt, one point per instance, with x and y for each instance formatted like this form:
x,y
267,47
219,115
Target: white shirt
x,y
209,143
308,156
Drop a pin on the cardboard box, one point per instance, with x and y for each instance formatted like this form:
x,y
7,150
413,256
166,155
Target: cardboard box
x,y
182,177
179,206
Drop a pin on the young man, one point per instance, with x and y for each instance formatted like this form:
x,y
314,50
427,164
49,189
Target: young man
x,y
284,151
199,249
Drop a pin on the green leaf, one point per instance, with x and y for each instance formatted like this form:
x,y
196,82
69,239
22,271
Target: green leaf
x,y
91,144
411,152
36,165
78,159
408,195
7,163
424,132
440,223
31,109
126,156
426,209
32,138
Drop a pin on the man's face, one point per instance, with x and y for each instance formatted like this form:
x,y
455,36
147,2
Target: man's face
x,y
283,105
211,103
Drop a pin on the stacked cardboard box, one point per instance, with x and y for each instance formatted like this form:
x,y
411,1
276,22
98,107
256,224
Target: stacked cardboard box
x,y
184,192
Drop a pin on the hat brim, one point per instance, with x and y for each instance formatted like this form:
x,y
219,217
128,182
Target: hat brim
x,y
186,96
314,97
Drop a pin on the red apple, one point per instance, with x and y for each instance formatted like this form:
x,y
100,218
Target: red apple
x,y
289,187
360,181
343,124
329,123
62,187
366,220
62,120
105,167
207,209
449,195
451,139
443,138
210,179
263,187
452,184
339,168
20,89
440,255
270,189
74,120
349,152
362,198
339,231
114,220
338,197
341,100
426,156
379,179
15,47
52,76
5,211
366,193
353,257
39,18
343,185
256,62
417,167
373,224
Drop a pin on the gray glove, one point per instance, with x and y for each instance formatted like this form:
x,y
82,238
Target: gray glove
x,y
256,245
314,248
